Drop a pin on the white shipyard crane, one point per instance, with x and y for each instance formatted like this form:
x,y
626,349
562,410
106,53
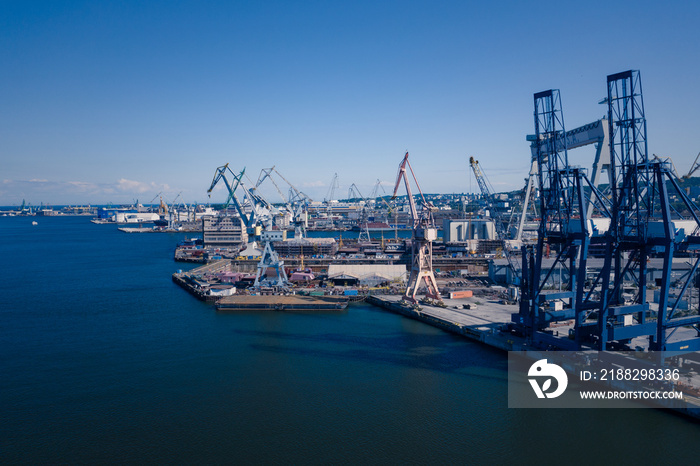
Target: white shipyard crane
x,y
296,204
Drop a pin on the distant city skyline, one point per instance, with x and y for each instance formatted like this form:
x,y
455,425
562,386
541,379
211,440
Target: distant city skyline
x,y
114,101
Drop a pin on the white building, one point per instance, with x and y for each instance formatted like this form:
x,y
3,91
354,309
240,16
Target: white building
x,y
224,231
458,231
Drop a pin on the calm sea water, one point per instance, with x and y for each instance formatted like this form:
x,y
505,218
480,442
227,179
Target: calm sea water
x,y
104,360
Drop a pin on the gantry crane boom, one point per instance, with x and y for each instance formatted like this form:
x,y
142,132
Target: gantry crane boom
x,y
375,190
354,193
221,174
266,173
297,196
694,168
260,208
411,202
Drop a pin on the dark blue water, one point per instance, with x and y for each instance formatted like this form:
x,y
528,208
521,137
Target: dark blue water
x,y
104,360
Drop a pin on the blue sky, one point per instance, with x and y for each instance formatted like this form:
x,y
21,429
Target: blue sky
x,y
112,101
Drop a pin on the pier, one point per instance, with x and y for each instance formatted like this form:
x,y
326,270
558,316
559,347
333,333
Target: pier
x,y
192,283
488,323
482,321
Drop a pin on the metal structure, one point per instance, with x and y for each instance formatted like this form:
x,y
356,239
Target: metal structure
x,y
596,133
270,260
256,214
487,192
564,229
253,209
331,189
499,222
646,215
644,222
354,193
484,185
390,209
693,168
424,233
529,188
375,189
296,203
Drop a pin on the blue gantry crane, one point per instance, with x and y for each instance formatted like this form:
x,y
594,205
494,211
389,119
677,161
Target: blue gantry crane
x,y
564,229
256,213
258,206
646,215
651,215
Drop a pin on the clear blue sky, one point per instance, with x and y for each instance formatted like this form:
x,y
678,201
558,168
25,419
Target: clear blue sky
x,y
111,101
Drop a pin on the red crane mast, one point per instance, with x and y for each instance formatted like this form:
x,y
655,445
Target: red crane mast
x,y
424,233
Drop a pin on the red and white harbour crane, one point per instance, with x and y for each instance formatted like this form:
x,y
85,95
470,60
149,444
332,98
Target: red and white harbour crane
x,y
424,233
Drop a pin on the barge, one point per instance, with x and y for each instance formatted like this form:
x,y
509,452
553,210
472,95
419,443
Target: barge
x,y
281,303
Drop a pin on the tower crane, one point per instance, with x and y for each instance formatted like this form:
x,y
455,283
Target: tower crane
x,y
332,188
488,192
484,184
501,228
174,211
424,233
375,190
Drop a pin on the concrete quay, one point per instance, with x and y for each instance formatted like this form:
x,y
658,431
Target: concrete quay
x,y
192,283
482,322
